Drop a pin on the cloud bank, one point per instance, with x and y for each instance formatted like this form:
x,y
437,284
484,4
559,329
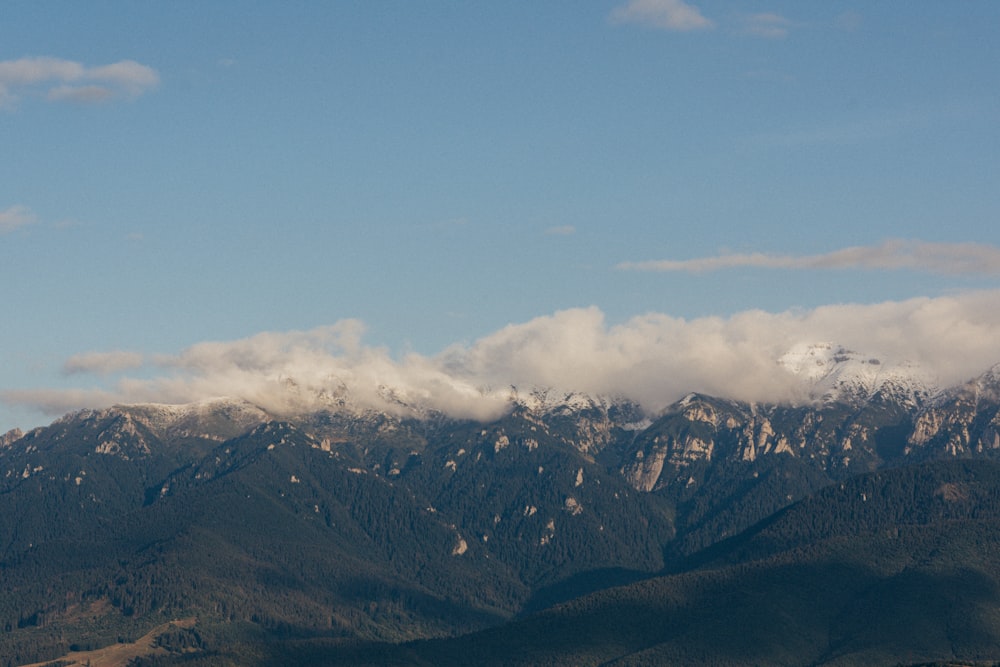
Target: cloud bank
x,y
59,80
654,359
893,254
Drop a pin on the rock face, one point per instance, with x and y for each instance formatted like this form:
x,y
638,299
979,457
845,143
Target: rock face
x,y
10,437
962,421
885,420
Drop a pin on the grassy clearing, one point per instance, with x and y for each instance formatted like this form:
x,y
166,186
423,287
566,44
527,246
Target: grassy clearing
x,y
118,655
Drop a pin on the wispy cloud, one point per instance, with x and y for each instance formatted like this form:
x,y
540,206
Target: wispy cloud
x,y
893,254
55,402
673,15
654,359
858,131
868,127
562,230
16,217
770,75
60,80
849,21
767,25
102,363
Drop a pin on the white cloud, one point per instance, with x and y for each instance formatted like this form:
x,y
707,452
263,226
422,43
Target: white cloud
x,y
653,358
16,217
61,80
768,25
893,254
663,14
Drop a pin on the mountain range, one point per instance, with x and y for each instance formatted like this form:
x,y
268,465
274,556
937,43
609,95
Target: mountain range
x,y
853,524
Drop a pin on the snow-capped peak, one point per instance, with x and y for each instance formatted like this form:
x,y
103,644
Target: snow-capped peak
x,y
833,372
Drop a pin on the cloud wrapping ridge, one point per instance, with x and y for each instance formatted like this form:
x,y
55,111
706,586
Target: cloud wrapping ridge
x,y
62,80
892,254
654,359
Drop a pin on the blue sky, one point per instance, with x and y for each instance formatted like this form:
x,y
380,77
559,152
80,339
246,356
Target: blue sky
x,y
442,173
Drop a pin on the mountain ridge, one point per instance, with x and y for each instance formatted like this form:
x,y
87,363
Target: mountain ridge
x,y
894,396
353,523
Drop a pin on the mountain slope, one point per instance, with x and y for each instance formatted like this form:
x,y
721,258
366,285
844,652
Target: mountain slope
x,y
346,524
921,584
377,529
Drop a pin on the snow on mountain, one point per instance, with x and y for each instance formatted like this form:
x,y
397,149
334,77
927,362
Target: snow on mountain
x,y
831,373
989,382
550,401
214,418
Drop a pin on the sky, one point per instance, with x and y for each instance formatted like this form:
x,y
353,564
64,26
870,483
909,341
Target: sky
x,y
640,196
